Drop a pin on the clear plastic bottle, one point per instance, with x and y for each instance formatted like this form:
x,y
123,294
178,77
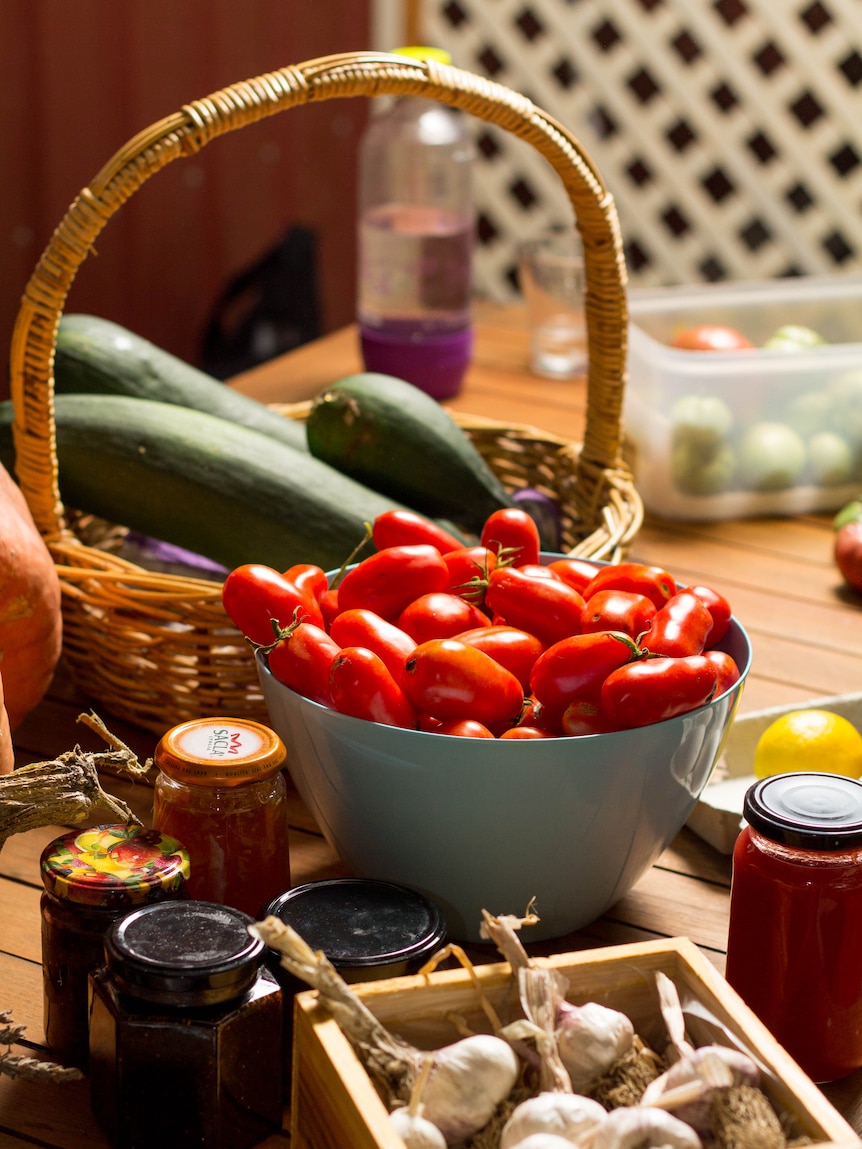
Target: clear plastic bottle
x,y
416,226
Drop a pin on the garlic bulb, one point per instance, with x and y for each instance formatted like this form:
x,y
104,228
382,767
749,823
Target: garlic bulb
x,y
415,1130
467,1082
640,1127
590,1039
563,1115
687,1088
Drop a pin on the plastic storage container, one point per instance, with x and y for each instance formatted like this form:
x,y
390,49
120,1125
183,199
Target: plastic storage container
x,y
415,227
796,917
92,878
221,791
694,420
185,1031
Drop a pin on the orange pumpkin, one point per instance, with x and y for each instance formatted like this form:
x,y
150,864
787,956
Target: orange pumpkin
x,y
30,620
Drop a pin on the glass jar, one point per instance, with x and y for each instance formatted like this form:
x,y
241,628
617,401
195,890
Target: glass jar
x,y
795,931
221,791
185,1031
369,930
93,877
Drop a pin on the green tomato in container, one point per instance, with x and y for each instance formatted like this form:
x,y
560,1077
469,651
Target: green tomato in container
x,y
698,472
794,337
701,421
831,461
772,457
809,412
845,393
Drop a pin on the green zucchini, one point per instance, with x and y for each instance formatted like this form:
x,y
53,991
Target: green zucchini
x,y
96,356
393,437
202,482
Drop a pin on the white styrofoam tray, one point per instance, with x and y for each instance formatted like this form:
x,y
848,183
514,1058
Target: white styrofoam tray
x,y
717,817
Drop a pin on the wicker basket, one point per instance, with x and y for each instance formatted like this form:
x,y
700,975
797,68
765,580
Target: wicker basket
x,y
156,649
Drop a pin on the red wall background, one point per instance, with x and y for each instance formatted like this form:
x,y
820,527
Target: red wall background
x,y
78,78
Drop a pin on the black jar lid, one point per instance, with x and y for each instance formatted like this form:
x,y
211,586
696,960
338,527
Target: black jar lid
x,y
812,811
366,928
185,952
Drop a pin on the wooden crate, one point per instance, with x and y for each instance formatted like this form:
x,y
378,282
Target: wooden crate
x,y
334,1103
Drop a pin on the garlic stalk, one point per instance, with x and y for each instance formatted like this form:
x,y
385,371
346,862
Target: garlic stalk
x,y
467,1080
641,1127
416,1131
560,1115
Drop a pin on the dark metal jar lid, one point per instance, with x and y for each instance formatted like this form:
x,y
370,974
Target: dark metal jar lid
x,y
184,953
361,924
812,811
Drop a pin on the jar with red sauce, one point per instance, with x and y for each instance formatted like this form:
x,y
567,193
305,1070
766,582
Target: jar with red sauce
x,y
794,948
92,878
221,791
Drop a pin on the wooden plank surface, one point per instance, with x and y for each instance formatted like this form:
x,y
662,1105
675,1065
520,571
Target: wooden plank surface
x,y
806,633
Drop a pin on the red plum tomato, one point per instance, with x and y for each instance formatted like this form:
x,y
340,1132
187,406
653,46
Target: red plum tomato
x,y
450,679
655,689
726,669
404,528
585,716
439,614
577,666
513,535
719,609
362,686
680,627
302,660
620,610
360,627
387,581
513,648
578,573
253,595
464,728
546,607
642,578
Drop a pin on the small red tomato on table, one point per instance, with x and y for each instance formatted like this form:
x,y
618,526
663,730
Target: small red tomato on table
x,y
847,547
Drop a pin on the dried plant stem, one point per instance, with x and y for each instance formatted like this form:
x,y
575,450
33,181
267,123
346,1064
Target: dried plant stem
x,y
65,790
394,1064
14,1065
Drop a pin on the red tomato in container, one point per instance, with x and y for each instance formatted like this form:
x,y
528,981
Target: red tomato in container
x,y
309,579
439,615
620,610
469,569
641,578
253,595
578,573
360,627
407,528
512,534
450,679
577,666
362,686
546,607
585,716
710,337
302,660
719,609
680,627
464,728
513,648
725,668
654,689
387,581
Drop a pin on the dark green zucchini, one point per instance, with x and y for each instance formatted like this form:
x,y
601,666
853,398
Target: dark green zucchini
x,y
96,356
393,437
203,483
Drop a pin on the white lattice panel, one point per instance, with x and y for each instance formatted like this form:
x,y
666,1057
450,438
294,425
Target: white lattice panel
x,y
729,131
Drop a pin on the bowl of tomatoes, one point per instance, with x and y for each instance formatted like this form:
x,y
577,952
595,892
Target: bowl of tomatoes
x,y
745,399
497,726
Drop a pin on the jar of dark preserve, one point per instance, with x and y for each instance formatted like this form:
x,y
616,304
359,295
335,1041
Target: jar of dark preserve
x,y
369,930
221,791
185,1031
795,936
93,877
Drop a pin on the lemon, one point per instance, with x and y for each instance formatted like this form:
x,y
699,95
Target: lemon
x,y
809,740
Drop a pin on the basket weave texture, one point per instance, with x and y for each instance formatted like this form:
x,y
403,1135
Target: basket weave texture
x,y
157,649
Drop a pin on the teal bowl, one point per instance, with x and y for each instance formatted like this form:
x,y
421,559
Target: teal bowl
x,y
477,824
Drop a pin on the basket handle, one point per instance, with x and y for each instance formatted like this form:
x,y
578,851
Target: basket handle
x,y
370,74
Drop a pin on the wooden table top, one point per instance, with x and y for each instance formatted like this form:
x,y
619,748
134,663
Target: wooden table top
x,y
806,633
